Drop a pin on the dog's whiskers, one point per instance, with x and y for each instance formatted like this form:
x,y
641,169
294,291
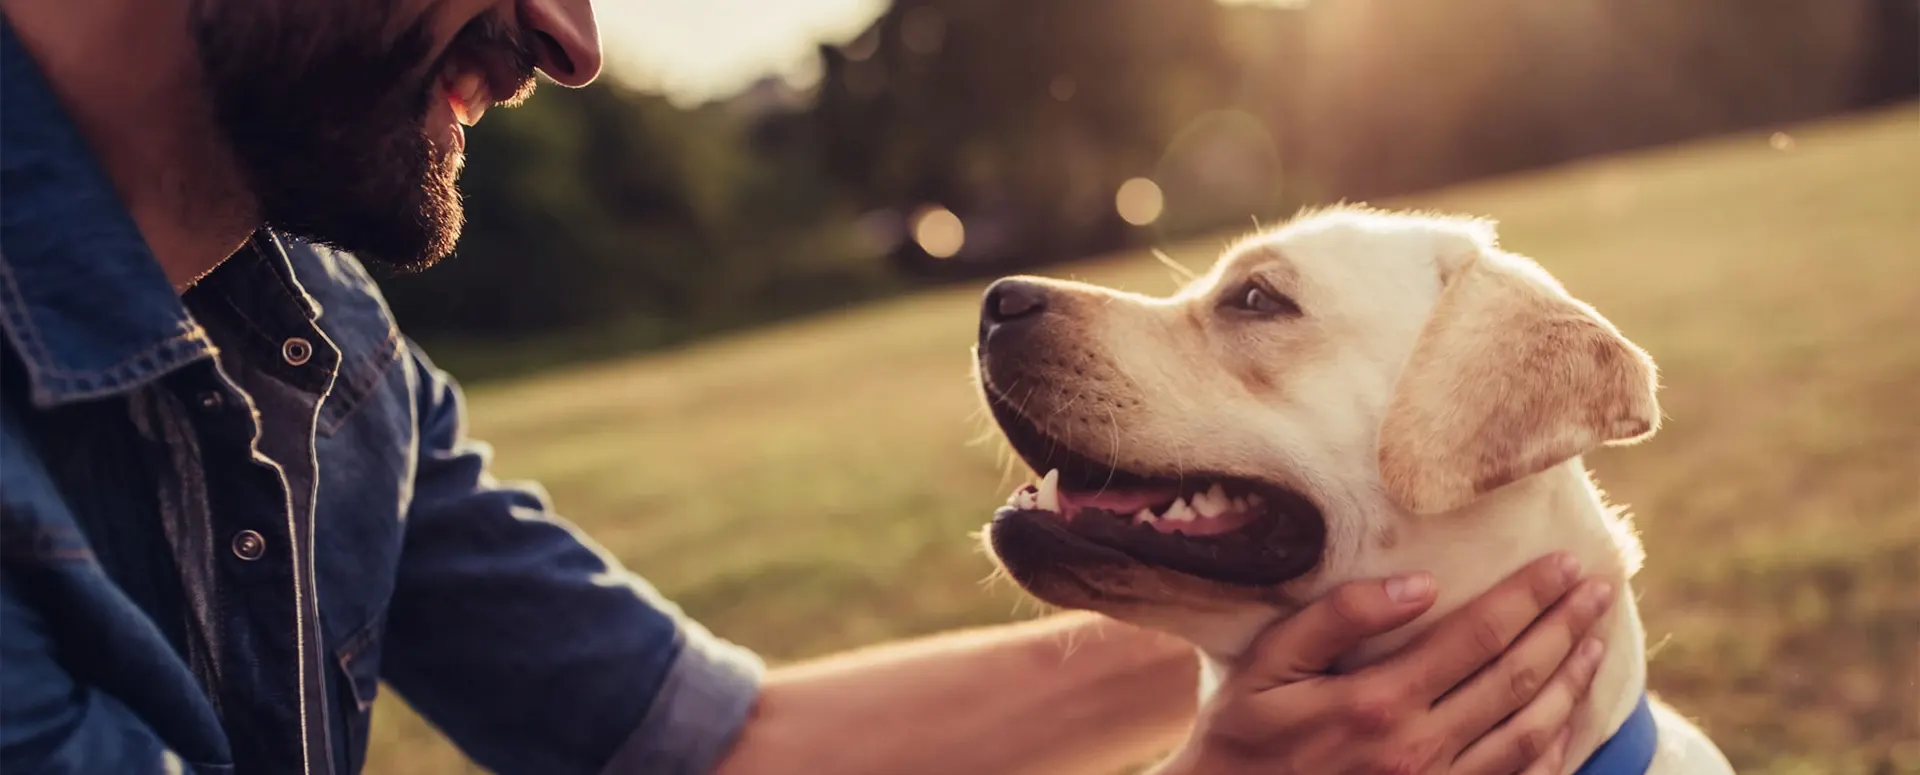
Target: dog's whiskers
x,y
1113,460
1008,462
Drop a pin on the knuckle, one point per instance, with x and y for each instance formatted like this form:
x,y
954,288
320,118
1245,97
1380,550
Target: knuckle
x,y
1531,744
1375,710
1489,634
1525,682
1411,757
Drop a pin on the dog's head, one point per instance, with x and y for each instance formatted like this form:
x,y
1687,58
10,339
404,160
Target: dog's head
x,y
1214,459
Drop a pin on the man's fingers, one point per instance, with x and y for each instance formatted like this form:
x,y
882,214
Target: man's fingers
x,y
1481,630
1551,761
1554,763
1307,643
1513,681
1522,742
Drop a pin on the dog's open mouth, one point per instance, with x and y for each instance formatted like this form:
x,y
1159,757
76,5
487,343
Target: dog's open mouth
x,y
1225,529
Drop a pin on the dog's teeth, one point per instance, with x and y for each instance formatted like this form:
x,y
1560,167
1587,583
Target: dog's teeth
x,y
1049,494
1253,500
1144,517
1180,512
1212,503
1237,505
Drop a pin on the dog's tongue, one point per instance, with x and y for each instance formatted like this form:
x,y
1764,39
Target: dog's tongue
x,y
1119,501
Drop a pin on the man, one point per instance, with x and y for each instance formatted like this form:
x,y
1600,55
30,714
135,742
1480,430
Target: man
x,y
235,499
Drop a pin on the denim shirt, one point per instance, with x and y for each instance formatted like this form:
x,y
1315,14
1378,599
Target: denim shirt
x,y
227,516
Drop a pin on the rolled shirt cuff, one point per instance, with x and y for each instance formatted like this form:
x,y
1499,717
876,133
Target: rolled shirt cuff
x,y
700,710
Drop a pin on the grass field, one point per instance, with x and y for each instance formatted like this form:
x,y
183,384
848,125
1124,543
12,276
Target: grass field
x,y
812,487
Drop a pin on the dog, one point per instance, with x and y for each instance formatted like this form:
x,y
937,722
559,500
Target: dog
x,y
1353,394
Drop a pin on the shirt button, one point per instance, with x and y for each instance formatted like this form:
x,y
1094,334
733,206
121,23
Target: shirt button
x,y
248,545
297,351
212,400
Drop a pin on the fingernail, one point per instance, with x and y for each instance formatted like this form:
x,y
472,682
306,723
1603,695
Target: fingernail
x,y
1590,650
1569,568
1409,588
1600,595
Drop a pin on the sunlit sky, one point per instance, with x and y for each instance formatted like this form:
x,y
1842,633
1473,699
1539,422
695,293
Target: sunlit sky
x,y
701,49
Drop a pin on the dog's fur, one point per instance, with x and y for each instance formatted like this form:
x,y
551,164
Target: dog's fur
x,y
1432,397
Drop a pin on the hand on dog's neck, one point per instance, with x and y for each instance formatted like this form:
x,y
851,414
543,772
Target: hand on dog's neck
x,y
1470,550
1561,510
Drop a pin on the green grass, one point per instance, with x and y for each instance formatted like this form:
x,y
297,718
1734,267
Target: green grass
x,y
812,487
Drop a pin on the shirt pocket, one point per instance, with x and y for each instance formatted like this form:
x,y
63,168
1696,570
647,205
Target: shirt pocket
x,y
359,661
366,470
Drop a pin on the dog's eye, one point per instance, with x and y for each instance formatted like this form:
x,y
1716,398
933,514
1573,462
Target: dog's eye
x,y
1253,297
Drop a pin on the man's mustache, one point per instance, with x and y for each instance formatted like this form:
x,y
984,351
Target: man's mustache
x,y
507,54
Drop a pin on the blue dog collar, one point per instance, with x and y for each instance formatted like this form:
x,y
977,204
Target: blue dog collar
x,y
1630,750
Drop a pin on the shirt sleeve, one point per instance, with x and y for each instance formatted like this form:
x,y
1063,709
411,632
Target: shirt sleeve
x,y
528,644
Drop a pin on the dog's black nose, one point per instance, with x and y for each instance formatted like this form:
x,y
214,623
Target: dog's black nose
x,y
1012,299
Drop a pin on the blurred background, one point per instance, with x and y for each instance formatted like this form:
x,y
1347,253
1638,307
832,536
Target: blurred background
x,y
719,303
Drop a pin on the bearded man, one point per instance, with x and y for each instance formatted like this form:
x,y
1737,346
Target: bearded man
x,y
235,499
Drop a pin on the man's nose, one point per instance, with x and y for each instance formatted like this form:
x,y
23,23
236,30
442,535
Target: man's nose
x,y
1011,301
569,39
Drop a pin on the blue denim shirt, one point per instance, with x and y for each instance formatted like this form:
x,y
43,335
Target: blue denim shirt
x,y
226,516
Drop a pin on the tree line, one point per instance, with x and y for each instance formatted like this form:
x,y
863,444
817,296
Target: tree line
x,y
964,138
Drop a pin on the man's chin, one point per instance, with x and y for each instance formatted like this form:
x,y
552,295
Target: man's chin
x,y
409,236
390,249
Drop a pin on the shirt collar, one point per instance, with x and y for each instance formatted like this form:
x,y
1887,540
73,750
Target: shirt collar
x,y
83,302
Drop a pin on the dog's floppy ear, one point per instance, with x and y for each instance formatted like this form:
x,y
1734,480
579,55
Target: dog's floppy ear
x,y
1511,376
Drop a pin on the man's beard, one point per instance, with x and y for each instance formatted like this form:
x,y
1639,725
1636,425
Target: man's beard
x,y
326,121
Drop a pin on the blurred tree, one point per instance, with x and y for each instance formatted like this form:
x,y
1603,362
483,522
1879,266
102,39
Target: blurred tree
x,y
1021,117
615,218
605,205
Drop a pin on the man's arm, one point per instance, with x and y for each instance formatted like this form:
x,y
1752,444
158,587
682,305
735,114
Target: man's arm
x,y
529,645
536,652
1078,694
1074,693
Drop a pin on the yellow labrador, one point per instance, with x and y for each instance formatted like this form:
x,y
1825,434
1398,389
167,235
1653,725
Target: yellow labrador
x,y
1354,394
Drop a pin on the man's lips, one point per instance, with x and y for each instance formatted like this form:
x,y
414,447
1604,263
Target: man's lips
x,y
468,94
488,63
472,85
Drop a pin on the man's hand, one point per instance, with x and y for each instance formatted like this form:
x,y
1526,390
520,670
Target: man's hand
x,y
1465,699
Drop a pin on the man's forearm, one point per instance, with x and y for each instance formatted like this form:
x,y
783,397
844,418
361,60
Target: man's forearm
x,y
1073,693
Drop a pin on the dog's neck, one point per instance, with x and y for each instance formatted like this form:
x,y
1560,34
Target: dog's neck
x,y
1469,551
1561,510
